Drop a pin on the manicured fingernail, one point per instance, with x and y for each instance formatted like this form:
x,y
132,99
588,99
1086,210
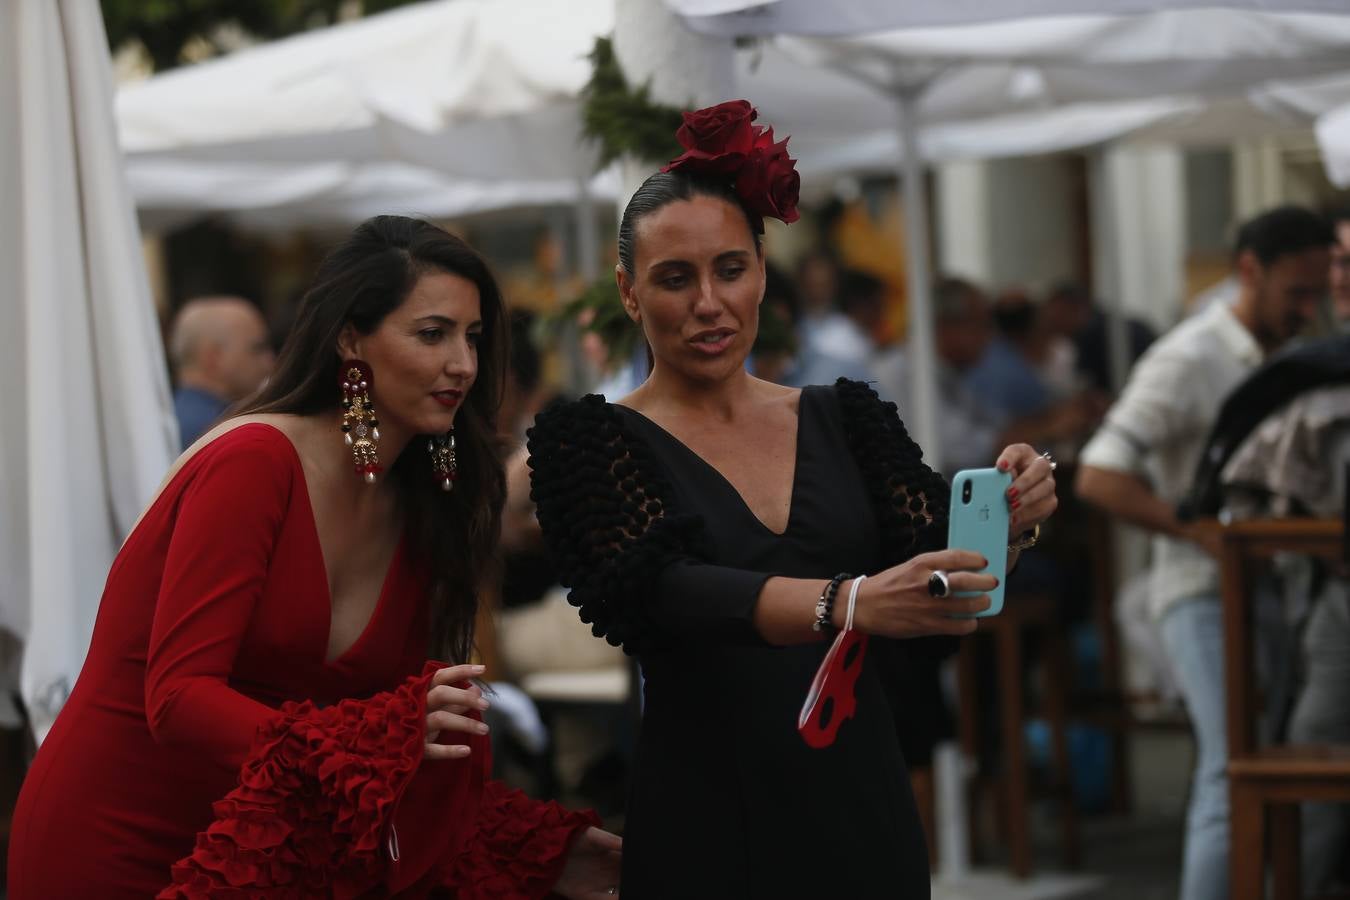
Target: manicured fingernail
x,y
1002,466
1012,493
483,704
479,669
1016,503
482,728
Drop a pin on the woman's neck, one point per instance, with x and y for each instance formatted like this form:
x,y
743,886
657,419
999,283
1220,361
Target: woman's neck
x,y
670,393
326,438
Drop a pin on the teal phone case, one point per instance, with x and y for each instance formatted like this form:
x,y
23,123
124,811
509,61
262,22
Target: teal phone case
x,y
978,520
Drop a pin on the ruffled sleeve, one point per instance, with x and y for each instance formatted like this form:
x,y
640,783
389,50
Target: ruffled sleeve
x,y
631,559
910,499
315,809
519,848
911,503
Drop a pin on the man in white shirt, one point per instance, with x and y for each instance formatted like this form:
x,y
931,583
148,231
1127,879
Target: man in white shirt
x,y
1142,460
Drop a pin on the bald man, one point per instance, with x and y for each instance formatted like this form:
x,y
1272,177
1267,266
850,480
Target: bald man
x,y
221,353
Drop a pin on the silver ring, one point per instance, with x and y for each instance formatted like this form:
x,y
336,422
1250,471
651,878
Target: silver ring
x,y
938,584
612,890
1050,459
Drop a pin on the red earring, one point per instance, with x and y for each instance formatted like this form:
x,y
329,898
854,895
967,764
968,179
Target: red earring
x,y
360,428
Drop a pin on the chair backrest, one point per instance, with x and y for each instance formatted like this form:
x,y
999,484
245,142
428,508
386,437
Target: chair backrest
x,y
1245,546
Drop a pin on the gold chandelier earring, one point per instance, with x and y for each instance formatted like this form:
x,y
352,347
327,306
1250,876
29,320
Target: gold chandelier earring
x,y
360,428
444,468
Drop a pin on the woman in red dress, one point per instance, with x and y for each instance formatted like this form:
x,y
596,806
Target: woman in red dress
x,y
256,716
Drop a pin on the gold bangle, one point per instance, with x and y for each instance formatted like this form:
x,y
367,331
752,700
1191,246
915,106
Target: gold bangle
x,y
1026,541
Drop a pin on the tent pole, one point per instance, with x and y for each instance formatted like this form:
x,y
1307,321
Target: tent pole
x,y
921,416
588,234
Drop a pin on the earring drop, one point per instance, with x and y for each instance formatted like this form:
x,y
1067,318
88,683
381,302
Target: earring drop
x,y
444,468
360,428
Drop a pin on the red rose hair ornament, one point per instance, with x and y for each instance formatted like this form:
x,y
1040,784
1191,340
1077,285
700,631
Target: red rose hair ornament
x,y
832,699
722,141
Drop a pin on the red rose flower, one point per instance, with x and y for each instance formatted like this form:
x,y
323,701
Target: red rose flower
x,y
723,141
720,129
768,183
716,139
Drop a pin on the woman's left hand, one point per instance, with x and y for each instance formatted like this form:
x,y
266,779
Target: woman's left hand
x,y
592,868
1031,497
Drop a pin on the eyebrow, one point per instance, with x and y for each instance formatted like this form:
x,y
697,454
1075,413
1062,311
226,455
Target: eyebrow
x,y
721,257
447,321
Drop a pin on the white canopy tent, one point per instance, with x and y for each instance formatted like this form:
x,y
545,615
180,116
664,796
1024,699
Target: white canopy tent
x,y
853,17
1333,136
476,89
955,72
89,428
278,196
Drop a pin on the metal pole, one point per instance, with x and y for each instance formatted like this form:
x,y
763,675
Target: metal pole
x,y
922,414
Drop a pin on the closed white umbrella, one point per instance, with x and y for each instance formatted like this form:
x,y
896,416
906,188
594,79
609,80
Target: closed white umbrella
x,y
88,425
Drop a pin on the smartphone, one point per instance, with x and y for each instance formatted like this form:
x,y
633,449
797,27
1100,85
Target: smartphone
x,y
978,521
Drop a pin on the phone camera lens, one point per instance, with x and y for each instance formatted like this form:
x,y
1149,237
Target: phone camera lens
x,y
965,492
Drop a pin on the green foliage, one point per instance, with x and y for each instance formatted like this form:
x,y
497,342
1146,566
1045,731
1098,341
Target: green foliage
x,y
166,27
601,303
625,121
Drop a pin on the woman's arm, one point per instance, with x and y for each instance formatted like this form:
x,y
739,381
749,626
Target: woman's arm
x,y
214,573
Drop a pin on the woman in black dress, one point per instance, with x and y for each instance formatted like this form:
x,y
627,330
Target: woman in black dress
x,y
699,520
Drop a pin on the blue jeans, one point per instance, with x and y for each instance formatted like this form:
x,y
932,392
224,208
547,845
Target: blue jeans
x,y
1193,635
1192,632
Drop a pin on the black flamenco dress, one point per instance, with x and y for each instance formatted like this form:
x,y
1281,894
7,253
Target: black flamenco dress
x,y
664,557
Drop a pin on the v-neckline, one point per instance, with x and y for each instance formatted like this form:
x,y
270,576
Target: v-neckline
x,y
796,467
375,613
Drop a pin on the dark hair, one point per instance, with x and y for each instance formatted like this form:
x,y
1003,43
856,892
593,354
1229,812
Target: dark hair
x,y
525,363
1339,216
859,290
360,282
952,298
1283,231
663,188
779,289
1014,314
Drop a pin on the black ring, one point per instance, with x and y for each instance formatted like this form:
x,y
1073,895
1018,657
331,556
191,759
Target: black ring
x,y
938,585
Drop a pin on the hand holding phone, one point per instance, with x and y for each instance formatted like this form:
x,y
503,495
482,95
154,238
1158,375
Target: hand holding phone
x,y
978,521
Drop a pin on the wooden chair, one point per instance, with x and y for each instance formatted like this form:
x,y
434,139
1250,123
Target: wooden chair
x,y
1266,784
1021,613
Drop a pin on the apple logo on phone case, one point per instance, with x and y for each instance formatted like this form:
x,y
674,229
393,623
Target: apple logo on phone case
x,y
984,513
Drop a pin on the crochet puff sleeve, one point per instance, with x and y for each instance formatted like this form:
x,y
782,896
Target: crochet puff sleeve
x,y
337,801
911,501
619,541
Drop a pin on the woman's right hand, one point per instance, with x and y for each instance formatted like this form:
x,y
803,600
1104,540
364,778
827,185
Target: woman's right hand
x,y
896,603
447,705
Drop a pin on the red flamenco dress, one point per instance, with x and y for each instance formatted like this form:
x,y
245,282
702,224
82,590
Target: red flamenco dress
x,y
210,750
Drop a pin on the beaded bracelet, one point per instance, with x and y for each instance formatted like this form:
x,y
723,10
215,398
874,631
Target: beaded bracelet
x,y
825,605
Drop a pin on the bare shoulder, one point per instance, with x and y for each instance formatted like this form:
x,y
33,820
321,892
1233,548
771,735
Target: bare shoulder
x,y
778,399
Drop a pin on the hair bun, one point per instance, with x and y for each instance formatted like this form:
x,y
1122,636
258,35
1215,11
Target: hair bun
x,y
722,141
